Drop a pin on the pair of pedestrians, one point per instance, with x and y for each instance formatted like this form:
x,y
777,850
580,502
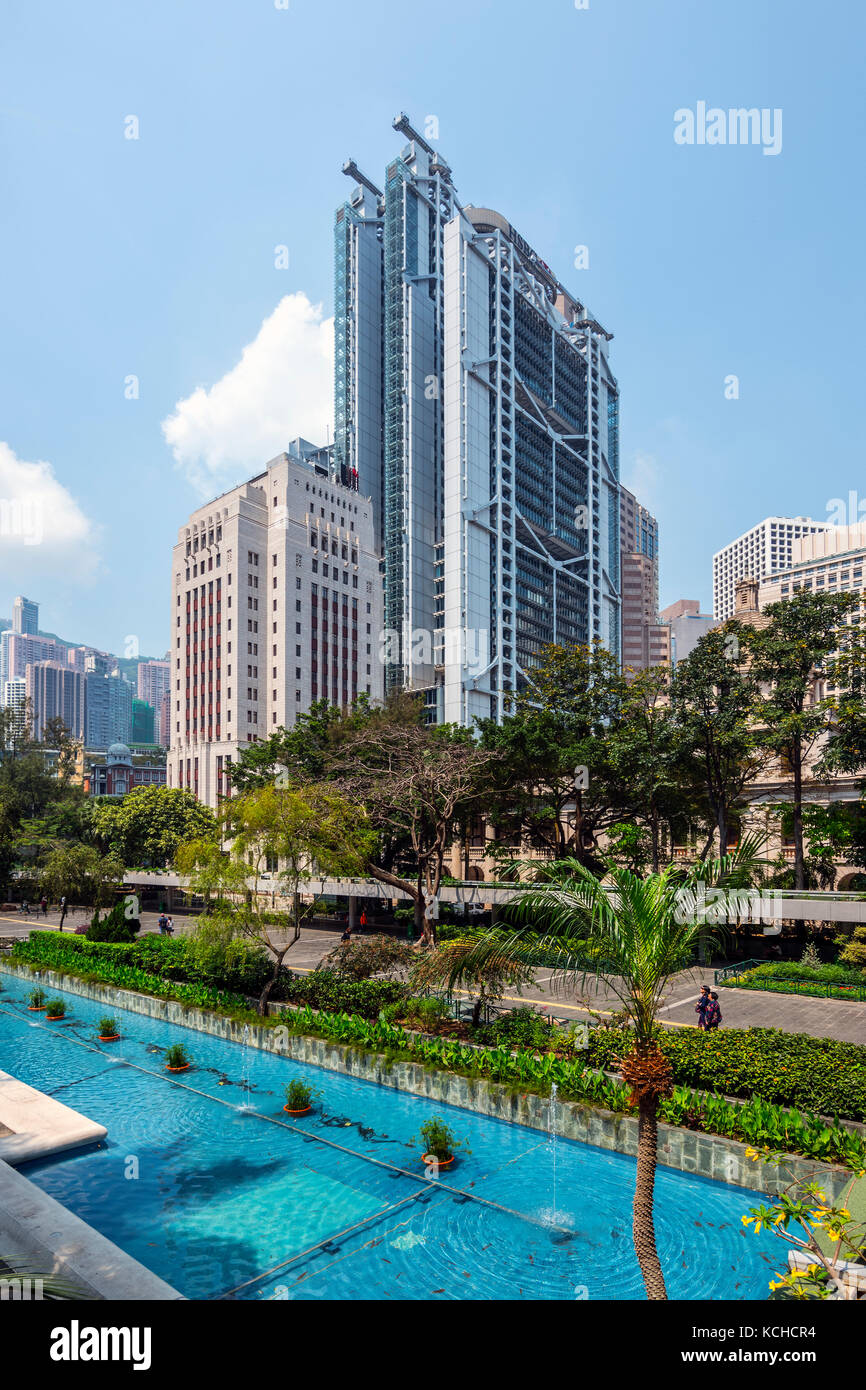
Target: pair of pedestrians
x,y
708,1009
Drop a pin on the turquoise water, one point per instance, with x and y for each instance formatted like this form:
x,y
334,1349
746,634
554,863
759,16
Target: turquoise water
x,y
206,1181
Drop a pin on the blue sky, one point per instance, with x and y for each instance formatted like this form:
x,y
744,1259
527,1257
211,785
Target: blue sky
x,y
155,257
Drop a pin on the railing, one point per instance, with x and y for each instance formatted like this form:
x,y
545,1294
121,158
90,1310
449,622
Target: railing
x,y
781,984
720,976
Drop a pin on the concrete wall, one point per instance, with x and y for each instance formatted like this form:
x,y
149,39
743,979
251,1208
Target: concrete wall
x,y
707,1155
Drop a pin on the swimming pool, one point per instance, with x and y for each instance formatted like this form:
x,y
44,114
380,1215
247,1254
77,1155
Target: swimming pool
x,y
206,1181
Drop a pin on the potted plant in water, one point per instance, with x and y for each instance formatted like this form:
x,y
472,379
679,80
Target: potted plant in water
x,y
299,1098
54,1009
108,1030
38,1000
177,1058
440,1146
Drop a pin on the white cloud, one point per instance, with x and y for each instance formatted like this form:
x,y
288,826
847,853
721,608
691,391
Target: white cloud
x,y
281,388
43,531
642,478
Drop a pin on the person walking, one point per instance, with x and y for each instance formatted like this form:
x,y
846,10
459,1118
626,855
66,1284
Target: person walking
x,y
162,923
713,1013
363,921
44,905
702,1005
62,912
169,926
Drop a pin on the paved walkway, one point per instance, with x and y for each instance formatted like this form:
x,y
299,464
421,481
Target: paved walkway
x,y
741,1008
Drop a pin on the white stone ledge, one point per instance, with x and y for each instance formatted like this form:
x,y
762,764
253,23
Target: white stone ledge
x,y
38,1124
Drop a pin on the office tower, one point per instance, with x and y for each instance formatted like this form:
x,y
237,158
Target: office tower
x,y
154,679
358,343
687,624
108,707
276,603
143,722
20,649
757,554
25,616
646,641
828,561
499,451
638,533
56,691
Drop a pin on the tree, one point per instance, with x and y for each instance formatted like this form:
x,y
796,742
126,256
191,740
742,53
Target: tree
x,y
149,824
81,874
417,784
788,658
715,696
648,771
634,935
291,833
555,787
55,734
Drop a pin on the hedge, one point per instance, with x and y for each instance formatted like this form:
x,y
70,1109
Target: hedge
x,y
159,960
785,1068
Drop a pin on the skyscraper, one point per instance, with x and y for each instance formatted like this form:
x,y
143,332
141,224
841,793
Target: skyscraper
x,y
490,432
276,603
108,709
645,638
759,553
154,679
25,616
56,691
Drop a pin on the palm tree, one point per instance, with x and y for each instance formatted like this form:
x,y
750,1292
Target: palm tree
x,y
633,934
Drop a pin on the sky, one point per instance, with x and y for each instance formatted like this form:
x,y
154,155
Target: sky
x,y
170,173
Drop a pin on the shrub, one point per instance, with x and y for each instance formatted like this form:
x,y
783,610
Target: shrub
x,y
55,1008
322,989
108,1027
176,1055
298,1095
521,1027
853,949
115,925
37,998
438,1140
786,1068
369,956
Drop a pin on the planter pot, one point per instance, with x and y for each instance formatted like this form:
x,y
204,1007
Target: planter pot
x,y
54,1018
115,1037
35,1008
443,1162
185,1067
297,1112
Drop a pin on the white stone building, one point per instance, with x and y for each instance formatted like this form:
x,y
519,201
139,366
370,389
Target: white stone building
x,y
276,603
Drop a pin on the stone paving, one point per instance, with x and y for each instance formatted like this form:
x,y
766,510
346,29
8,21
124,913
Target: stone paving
x,y
825,1018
